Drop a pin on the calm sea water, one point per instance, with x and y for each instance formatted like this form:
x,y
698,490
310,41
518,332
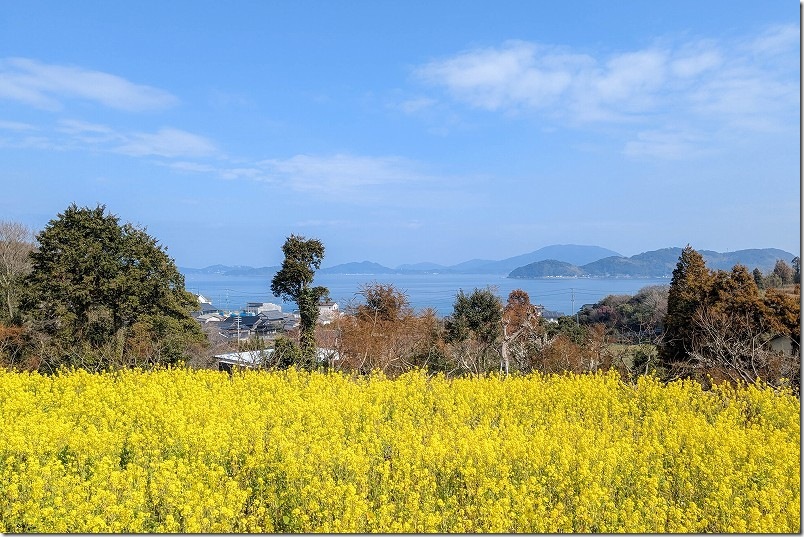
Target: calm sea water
x,y
437,291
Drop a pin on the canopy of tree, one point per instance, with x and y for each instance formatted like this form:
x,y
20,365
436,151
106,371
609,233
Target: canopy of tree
x,y
109,290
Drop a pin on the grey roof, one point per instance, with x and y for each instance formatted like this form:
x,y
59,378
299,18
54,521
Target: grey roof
x,y
273,315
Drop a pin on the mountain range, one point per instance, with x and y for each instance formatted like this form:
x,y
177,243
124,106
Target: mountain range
x,y
559,260
653,264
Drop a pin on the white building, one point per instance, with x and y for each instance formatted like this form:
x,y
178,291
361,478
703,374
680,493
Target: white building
x,y
262,307
252,359
327,311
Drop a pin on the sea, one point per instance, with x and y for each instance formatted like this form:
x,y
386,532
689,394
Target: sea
x,y
435,291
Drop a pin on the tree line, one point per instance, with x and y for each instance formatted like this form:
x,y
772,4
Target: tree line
x,y
91,292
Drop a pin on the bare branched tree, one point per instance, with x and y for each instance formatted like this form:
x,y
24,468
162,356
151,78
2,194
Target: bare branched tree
x,y
734,346
383,332
16,242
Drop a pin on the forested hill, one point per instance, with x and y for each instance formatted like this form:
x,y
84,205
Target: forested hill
x,y
654,264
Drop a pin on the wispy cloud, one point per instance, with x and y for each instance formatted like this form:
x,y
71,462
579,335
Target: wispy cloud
x,y
750,83
70,134
517,74
47,86
341,177
167,142
775,40
340,174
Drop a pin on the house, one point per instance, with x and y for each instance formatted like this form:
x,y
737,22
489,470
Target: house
x,y
327,311
209,318
247,359
252,359
205,306
237,325
262,307
269,322
291,323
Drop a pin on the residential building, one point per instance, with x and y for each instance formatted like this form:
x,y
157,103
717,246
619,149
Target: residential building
x,y
262,307
327,311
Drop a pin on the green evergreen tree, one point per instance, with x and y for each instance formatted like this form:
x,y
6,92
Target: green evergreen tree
x,y
736,293
758,278
294,281
688,289
476,327
107,294
477,315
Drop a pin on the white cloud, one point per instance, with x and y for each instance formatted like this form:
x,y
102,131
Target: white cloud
x,y
45,86
629,76
340,175
695,62
776,40
73,134
726,80
516,74
85,133
167,142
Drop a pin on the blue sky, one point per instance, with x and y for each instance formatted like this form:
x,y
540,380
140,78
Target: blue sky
x,y
402,132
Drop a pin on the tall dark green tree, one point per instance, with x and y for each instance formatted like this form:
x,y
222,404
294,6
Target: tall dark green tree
x,y
107,294
759,279
475,327
477,315
294,281
688,290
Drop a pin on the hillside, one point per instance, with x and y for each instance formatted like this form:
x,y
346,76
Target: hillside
x,y
547,269
653,264
566,253
363,267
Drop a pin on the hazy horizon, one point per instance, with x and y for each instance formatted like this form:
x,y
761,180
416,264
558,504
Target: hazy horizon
x,y
407,132
325,265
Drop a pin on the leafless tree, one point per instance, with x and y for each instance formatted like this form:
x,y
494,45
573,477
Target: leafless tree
x,y
735,347
16,242
383,332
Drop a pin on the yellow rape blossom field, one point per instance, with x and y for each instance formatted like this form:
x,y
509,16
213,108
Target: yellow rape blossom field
x,y
202,451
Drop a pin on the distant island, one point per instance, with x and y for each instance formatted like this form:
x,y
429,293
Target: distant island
x,y
556,261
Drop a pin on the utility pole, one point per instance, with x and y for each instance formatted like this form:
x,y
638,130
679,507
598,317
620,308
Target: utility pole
x,y
573,303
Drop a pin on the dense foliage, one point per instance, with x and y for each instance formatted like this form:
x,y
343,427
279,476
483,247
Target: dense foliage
x,y
632,319
294,281
200,451
721,325
104,295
